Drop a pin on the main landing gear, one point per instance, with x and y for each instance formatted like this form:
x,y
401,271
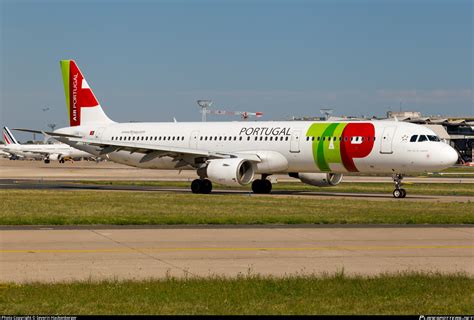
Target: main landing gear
x,y
201,186
399,192
261,186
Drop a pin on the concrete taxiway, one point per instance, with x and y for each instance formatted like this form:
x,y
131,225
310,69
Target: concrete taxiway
x,y
62,255
89,170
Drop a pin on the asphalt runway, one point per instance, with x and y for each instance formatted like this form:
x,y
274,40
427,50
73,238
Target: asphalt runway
x,y
67,185
128,253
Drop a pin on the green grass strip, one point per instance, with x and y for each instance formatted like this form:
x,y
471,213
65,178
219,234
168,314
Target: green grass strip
x,y
52,207
406,293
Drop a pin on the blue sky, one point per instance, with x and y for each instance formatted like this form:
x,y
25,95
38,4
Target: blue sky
x,y
151,60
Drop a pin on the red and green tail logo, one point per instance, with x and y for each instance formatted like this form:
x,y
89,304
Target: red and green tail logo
x,y
78,93
338,144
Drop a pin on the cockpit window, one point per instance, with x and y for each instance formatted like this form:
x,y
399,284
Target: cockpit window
x,y
413,138
433,138
422,138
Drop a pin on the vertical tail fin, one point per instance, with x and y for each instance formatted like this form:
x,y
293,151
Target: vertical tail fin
x,y
83,106
8,136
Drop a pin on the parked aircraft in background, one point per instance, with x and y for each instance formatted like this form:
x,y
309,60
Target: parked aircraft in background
x,y
236,153
46,152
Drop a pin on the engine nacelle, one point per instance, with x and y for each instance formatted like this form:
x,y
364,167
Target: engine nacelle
x,y
319,179
230,172
54,156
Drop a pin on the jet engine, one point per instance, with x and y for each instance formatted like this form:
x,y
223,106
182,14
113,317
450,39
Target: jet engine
x,y
318,179
54,156
230,172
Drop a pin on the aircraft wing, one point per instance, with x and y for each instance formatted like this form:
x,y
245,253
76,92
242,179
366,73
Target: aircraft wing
x,y
182,156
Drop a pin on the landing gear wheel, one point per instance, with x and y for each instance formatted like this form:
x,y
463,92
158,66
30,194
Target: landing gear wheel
x,y
203,186
46,161
404,193
206,186
261,186
399,192
196,186
267,186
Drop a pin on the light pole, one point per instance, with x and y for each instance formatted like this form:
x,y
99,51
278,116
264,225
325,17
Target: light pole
x,y
204,104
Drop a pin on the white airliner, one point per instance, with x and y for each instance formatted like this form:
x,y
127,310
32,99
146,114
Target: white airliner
x,y
236,153
47,152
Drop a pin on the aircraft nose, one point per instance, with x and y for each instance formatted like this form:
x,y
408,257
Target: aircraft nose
x,y
449,155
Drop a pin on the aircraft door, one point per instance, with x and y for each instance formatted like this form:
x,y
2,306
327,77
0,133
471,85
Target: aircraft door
x,y
387,139
193,139
295,141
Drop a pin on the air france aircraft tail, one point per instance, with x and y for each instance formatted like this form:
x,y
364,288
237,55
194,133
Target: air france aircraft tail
x,y
83,106
8,136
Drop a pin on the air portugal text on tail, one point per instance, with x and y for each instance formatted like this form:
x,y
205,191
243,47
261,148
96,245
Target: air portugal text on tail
x,y
239,153
83,106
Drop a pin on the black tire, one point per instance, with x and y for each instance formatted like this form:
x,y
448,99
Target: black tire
x,y
266,186
397,193
404,193
47,161
206,186
257,186
196,186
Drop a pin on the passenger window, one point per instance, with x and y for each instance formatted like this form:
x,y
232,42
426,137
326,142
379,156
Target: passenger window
x,y
248,138
240,138
286,138
413,138
307,138
422,138
312,138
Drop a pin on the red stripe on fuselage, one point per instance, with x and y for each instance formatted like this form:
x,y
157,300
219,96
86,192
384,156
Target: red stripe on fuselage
x,y
351,150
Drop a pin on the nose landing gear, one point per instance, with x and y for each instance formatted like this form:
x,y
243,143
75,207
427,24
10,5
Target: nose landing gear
x,y
399,192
